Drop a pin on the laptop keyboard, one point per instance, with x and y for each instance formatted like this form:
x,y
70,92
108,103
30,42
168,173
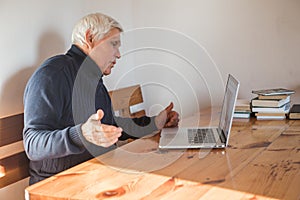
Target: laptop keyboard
x,y
199,136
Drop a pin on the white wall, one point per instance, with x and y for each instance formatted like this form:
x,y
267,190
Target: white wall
x,y
203,41
34,30
185,56
257,41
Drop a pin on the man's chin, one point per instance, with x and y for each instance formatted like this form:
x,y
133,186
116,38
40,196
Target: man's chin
x,y
107,72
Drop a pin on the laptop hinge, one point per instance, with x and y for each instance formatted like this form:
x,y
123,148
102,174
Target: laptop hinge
x,y
222,135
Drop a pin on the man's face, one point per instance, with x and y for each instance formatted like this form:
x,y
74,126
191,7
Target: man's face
x,y
106,51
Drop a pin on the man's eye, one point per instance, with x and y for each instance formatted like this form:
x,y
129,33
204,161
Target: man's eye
x,y
115,43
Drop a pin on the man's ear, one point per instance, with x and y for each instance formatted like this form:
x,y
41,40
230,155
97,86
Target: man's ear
x,y
89,39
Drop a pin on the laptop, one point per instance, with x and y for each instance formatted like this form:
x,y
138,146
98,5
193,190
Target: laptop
x,y
205,137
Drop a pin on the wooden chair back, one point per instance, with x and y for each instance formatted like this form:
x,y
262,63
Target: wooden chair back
x,y
127,101
14,163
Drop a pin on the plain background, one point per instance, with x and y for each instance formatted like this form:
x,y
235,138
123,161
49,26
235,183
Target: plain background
x,y
179,51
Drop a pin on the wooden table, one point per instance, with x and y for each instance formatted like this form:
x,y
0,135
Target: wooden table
x,y
261,162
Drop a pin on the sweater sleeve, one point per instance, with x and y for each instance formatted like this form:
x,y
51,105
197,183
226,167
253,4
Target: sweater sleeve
x,y
136,127
48,131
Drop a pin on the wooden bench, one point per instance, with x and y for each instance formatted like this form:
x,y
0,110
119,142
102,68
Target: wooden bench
x,y
14,163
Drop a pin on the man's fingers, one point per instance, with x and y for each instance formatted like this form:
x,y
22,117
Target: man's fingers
x,y
110,130
106,138
106,135
99,114
173,119
172,114
170,107
100,134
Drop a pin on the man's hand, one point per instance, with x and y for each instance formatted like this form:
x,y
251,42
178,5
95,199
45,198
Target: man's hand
x,y
167,118
100,134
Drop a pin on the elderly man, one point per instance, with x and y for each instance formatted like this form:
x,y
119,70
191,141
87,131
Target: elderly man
x,y
67,110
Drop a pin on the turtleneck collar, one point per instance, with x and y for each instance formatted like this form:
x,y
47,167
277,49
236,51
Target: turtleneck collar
x,y
91,69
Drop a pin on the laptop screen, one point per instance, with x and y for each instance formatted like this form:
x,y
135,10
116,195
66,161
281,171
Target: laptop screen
x,y
231,92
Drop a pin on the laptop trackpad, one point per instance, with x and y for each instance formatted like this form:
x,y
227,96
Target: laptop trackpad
x,y
173,136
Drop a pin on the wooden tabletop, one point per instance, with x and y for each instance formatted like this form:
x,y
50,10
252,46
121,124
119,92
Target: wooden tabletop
x,y
262,161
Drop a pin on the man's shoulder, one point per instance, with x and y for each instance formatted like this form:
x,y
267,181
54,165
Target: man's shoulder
x,y
56,69
56,65
58,62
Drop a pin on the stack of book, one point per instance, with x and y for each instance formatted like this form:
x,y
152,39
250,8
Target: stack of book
x,y
271,103
242,109
295,112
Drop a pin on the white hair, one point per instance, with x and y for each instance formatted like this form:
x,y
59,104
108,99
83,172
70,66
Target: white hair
x,y
97,23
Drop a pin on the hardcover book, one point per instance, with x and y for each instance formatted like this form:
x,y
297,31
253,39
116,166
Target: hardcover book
x,y
241,115
269,97
295,112
270,117
274,91
270,102
283,109
270,114
242,105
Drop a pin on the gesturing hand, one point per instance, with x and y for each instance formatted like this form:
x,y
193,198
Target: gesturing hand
x,y
167,118
100,134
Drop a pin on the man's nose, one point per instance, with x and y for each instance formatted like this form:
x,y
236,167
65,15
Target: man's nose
x,y
118,54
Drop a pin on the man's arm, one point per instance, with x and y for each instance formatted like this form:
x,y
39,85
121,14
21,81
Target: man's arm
x,y
44,144
139,127
47,131
136,127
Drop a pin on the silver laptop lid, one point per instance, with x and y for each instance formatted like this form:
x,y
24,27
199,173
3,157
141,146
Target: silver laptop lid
x,y
230,96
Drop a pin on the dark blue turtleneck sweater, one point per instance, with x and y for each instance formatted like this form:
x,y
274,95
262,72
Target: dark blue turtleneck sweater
x,y
61,95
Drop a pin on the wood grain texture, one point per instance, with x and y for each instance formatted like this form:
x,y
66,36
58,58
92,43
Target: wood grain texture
x,y
15,167
123,98
14,161
11,129
262,162
11,149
